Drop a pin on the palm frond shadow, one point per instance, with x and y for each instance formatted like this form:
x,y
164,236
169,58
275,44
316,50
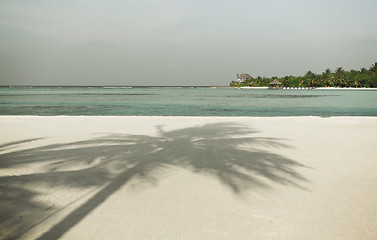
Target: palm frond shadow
x,y
111,161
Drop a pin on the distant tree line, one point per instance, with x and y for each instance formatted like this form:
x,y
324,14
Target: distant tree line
x,y
338,78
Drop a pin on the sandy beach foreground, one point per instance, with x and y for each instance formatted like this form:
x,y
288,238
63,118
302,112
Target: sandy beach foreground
x,y
188,178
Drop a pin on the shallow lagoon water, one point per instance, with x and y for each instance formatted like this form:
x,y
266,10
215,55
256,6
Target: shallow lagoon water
x,y
163,101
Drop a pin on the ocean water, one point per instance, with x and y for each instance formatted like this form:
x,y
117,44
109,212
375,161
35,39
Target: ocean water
x,y
200,101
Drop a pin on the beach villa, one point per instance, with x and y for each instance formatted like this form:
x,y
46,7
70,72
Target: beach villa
x,y
243,77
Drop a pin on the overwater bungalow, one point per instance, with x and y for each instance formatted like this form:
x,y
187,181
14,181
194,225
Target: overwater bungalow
x,y
275,84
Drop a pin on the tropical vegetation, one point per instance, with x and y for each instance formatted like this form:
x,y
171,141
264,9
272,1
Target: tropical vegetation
x,y
363,78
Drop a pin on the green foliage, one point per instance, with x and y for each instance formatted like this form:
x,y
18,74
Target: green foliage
x,y
337,78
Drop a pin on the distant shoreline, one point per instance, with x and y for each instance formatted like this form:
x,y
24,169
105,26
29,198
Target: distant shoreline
x,y
110,86
212,87
303,88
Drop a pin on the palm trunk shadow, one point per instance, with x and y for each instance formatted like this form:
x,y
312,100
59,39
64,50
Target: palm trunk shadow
x,y
81,212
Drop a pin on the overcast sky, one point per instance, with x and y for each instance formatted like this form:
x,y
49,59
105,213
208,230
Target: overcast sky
x,y
180,42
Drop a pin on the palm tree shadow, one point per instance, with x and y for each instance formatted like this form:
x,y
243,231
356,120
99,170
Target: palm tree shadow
x,y
108,163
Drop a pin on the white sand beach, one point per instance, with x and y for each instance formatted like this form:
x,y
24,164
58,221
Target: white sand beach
x,y
188,177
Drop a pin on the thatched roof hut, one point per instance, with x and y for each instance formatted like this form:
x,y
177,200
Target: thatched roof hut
x,y
275,84
242,77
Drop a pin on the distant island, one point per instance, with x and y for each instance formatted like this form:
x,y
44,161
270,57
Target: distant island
x,y
363,78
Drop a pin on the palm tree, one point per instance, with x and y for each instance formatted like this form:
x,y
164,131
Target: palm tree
x,y
327,77
356,82
285,81
373,68
258,80
363,70
339,74
300,82
309,73
311,77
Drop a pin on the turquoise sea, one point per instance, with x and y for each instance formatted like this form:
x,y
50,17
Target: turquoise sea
x,y
184,101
